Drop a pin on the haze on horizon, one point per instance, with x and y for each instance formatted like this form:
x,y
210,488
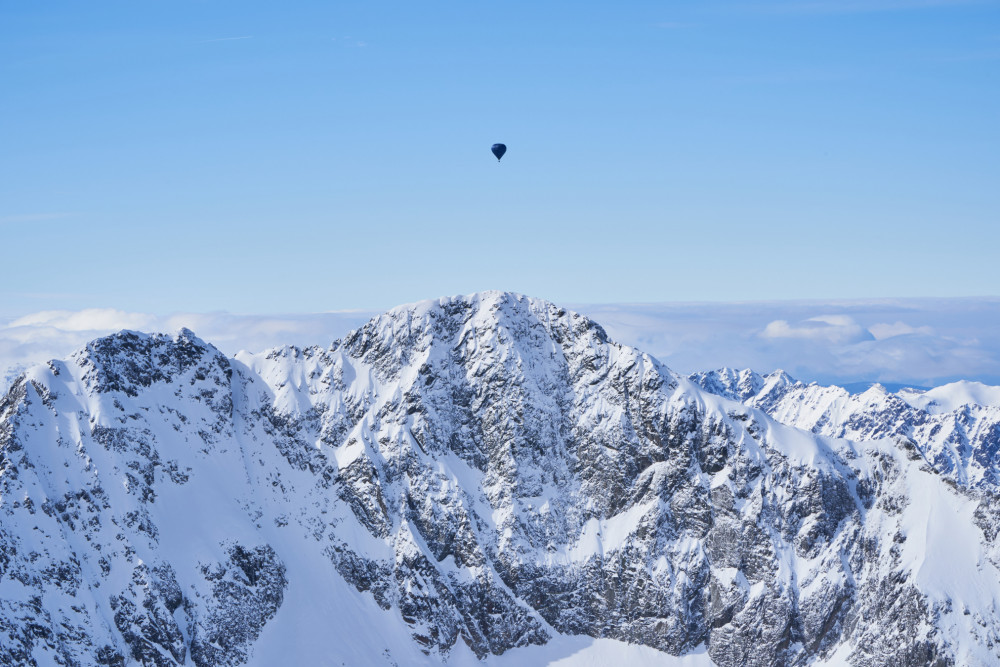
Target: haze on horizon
x,y
917,342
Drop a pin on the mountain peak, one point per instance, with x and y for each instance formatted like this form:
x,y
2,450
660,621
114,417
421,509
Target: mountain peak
x,y
468,476
129,361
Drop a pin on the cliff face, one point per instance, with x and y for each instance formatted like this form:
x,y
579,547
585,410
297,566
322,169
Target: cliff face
x,y
473,474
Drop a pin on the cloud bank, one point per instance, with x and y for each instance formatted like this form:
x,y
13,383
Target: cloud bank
x,y
55,334
925,342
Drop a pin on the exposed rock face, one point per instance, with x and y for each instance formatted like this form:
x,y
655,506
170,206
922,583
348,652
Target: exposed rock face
x,y
489,470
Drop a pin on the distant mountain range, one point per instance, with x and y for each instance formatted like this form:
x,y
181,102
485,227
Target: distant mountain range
x,y
955,427
487,478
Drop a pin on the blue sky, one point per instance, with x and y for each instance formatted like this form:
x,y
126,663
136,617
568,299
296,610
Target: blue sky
x,y
312,156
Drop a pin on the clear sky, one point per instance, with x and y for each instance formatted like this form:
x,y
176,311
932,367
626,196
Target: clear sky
x,y
309,156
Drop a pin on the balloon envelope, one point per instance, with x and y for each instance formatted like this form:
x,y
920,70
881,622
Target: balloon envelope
x,y
499,150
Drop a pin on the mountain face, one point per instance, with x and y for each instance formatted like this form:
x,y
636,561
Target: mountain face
x,y
955,428
462,478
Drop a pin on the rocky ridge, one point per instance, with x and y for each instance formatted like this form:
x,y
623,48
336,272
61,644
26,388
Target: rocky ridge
x,y
952,429
480,473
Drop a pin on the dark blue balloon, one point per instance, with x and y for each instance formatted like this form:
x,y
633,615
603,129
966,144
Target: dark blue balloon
x,y
499,150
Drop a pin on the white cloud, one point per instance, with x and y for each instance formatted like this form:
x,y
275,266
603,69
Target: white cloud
x,y
883,330
90,319
920,341
55,334
834,320
836,329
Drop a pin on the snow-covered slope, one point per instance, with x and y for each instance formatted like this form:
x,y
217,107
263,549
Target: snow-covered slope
x,y
484,477
954,396
955,427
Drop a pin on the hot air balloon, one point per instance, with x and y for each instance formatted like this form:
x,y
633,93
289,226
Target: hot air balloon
x,y
498,150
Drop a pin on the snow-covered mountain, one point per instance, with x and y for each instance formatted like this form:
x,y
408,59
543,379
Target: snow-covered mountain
x,y
954,427
483,477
